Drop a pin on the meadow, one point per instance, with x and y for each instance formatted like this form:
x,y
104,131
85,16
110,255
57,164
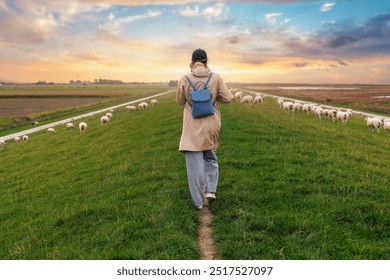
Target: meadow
x,y
291,186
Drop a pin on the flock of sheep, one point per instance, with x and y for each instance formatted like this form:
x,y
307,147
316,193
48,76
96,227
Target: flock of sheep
x,y
374,123
105,119
342,115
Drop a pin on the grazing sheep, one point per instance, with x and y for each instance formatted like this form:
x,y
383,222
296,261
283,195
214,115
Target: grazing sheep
x,y
2,143
131,108
297,106
104,120
143,106
51,130
288,106
318,112
82,127
258,99
342,116
35,123
247,99
17,139
25,138
238,95
386,125
154,102
332,115
280,102
306,108
373,123
109,115
69,125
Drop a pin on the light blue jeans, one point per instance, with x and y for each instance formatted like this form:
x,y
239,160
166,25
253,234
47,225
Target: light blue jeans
x,y
202,168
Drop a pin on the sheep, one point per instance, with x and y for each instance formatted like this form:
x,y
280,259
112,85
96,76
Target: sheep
x,y
297,106
247,99
280,102
342,116
386,125
258,99
2,143
82,127
143,106
35,123
17,139
238,95
288,106
51,130
373,123
319,112
332,114
154,102
69,125
306,108
131,108
104,120
25,138
109,115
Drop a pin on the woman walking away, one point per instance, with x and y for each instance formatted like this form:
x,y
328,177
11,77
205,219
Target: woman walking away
x,y
199,138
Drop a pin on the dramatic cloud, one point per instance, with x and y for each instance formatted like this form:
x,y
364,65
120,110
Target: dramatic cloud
x,y
188,12
214,12
271,18
327,7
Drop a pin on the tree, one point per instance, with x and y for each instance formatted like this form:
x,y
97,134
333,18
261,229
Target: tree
x,y
173,83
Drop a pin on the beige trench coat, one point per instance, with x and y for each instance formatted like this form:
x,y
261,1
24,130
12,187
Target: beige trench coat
x,y
201,134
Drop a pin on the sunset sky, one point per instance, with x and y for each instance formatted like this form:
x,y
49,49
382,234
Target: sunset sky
x,y
291,41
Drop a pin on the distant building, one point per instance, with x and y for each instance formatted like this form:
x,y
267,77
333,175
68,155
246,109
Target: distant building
x,y
107,81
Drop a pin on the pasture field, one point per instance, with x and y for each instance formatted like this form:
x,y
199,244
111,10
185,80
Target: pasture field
x,y
21,105
291,186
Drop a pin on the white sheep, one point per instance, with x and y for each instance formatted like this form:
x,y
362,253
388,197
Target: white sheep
x,y
318,112
154,102
306,108
131,108
69,125
332,114
143,106
82,127
104,120
51,130
288,106
2,143
297,106
373,123
247,99
342,116
25,138
280,102
238,95
109,115
17,139
35,123
386,125
258,99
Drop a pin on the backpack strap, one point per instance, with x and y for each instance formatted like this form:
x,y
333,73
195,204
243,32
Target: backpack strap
x,y
205,84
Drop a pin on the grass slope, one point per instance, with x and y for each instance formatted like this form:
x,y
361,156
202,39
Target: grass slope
x,y
296,187
291,187
117,192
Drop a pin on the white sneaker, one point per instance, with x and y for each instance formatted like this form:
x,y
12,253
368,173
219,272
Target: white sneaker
x,y
210,196
199,207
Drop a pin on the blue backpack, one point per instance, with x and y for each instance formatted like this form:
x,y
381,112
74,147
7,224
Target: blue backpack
x,y
202,105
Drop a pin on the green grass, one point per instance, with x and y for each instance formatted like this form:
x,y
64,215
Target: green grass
x,y
296,187
291,187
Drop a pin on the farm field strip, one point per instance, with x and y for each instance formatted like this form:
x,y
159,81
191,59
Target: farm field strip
x,y
46,126
365,114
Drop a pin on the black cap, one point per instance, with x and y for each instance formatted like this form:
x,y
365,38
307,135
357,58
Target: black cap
x,y
199,55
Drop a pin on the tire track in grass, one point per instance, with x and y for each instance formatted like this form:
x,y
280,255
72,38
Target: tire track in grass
x,y
207,247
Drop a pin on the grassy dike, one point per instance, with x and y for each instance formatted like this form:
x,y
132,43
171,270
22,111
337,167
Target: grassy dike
x,y
291,187
296,187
